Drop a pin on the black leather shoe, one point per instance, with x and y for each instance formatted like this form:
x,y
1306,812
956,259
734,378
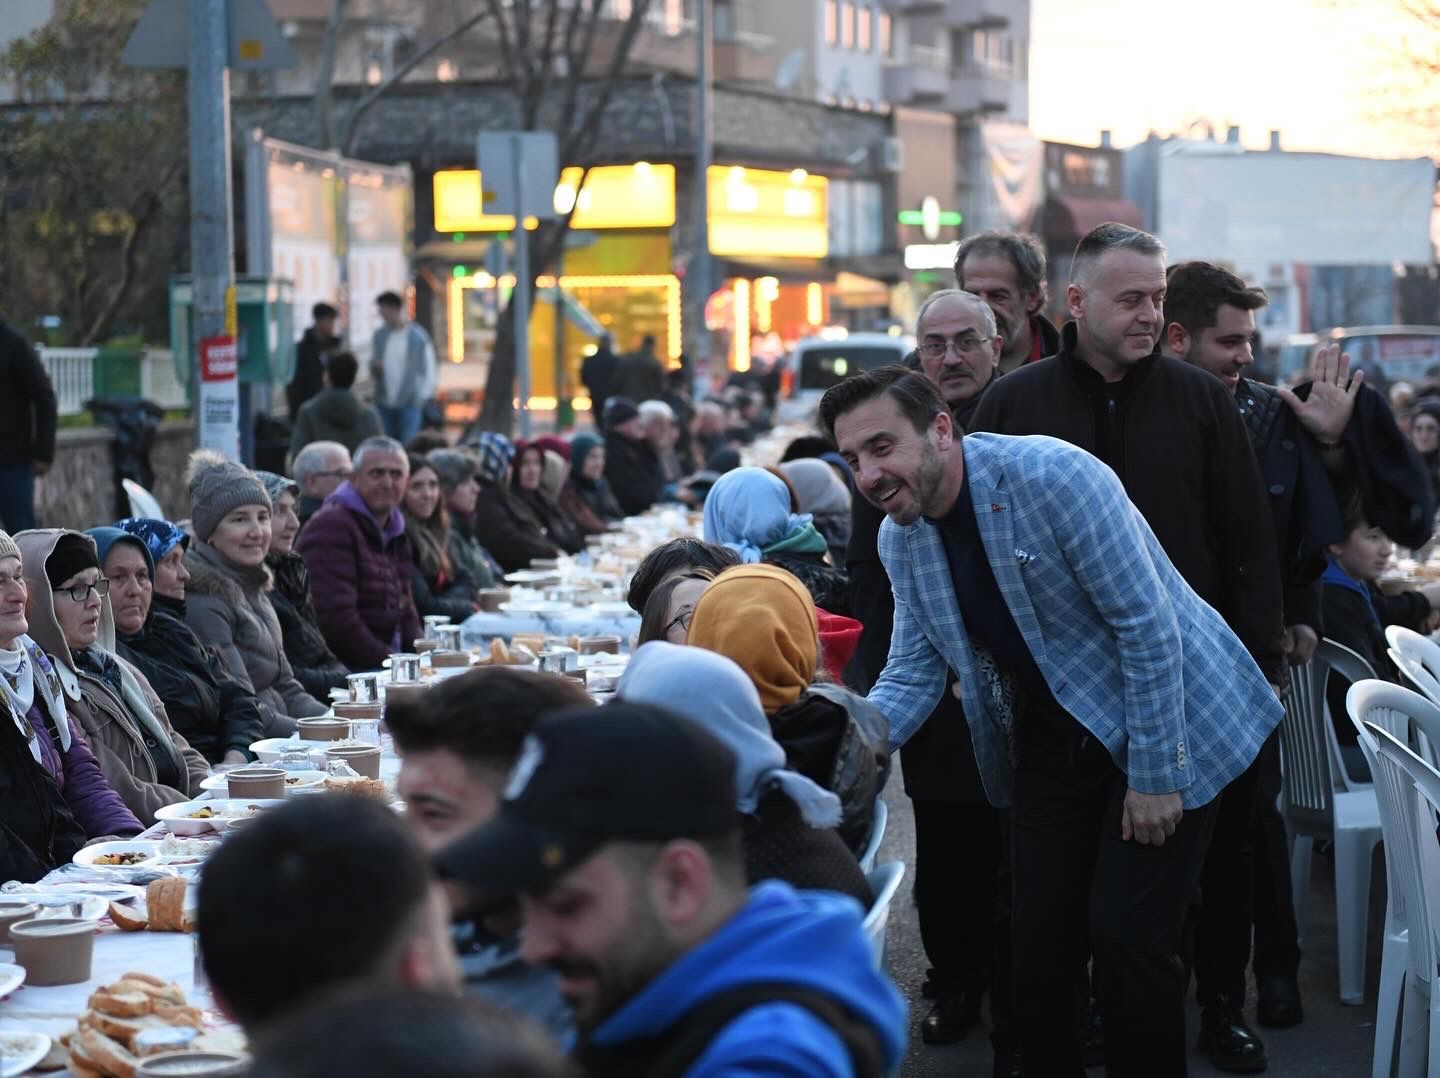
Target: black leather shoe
x,y
1231,1045
950,1019
1007,1063
1278,1006
1092,1039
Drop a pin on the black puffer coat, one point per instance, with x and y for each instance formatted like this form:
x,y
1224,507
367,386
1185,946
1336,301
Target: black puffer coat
x,y
314,664
840,741
207,707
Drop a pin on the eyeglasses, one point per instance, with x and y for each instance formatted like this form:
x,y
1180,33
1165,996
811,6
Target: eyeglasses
x,y
80,592
681,619
965,344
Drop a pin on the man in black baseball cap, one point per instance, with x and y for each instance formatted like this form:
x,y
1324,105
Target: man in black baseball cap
x,y
620,833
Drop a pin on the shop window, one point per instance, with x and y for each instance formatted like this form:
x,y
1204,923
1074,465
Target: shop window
x,y
832,22
883,33
862,29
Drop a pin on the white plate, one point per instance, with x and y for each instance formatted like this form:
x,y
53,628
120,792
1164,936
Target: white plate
x,y
11,978
63,904
537,606
22,1051
86,856
269,750
178,820
530,576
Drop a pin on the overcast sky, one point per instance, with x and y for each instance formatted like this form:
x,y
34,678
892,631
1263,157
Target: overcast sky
x,y
1319,70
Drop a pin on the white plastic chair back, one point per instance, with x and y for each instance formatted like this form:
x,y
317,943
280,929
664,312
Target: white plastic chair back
x,y
1417,657
142,502
1413,787
1311,753
884,882
877,835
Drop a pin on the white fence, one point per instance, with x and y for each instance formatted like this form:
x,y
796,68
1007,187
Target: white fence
x,y
72,372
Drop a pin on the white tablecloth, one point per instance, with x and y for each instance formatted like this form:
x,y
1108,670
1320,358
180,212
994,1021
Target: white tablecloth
x,y
479,628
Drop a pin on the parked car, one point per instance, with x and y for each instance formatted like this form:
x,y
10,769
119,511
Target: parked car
x,y
817,363
1386,354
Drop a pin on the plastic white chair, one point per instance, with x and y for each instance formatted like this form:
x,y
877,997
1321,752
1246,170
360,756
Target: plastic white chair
x,y
884,882
1413,788
1319,800
877,835
142,503
1417,657
1405,715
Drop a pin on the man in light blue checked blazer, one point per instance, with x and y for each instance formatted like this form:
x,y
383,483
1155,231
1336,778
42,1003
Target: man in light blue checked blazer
x,y
1107,703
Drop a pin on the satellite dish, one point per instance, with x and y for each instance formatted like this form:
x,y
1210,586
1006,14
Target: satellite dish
x,y
789,70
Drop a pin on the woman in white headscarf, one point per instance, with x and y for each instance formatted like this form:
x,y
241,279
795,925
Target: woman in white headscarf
x,y
789,821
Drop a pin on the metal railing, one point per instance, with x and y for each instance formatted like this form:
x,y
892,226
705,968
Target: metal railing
x,y
72,373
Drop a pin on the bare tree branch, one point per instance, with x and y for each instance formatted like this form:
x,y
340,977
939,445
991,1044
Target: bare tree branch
x,y
376,92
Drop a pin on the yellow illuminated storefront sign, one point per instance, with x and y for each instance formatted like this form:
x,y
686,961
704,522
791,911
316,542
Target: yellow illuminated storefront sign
x,y
758,212
641,195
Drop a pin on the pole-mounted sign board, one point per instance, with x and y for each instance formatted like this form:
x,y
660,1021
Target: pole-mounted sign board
x,y
254,40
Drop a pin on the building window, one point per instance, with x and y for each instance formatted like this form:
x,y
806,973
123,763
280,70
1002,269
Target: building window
x,y
847,25
862,29
832,22
620,9
883,33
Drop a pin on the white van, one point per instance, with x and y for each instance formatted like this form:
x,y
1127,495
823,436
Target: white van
x,y
817,363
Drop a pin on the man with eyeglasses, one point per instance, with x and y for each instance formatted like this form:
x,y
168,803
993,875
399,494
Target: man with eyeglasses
x,y
957,830
319,468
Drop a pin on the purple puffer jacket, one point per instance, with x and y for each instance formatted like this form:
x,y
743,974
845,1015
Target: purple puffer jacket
x,y
92,800
359,580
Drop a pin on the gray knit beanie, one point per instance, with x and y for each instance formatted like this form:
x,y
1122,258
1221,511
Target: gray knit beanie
x,y
217,486
8,549
451,466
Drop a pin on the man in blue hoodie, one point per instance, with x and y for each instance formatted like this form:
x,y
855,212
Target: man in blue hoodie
x,y
620,832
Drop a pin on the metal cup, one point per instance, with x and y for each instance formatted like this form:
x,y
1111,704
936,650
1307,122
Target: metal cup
x,y
364,688
433,622
451,637
404,668
554,662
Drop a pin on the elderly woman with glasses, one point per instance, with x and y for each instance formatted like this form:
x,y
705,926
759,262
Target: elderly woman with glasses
x,y
148,763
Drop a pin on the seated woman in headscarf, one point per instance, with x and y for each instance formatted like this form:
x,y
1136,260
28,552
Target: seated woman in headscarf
x,y
148,763
749,510
763,619
53,796
314,665
504,525
527,484
586,496
437,585
788,820
218,716
826,498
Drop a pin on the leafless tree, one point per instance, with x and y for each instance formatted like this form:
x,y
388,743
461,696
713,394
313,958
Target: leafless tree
x,y
548,56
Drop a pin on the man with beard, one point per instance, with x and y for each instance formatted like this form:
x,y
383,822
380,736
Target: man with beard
x,y
1300,441
620,833
1173,436
1007,271
1107,703
957,831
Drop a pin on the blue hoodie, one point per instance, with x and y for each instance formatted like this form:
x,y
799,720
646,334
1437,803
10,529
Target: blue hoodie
x,y
808,938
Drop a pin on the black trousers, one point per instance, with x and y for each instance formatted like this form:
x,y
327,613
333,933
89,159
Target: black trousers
x,y
1073,873
1277,936
957,863
1227,893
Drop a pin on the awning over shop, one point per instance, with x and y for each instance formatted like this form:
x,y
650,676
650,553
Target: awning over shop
x,y
1071,217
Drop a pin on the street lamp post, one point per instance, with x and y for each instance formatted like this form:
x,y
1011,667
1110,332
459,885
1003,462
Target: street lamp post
x,y
699,272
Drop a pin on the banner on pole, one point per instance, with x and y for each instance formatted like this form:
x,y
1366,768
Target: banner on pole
x,y
219,396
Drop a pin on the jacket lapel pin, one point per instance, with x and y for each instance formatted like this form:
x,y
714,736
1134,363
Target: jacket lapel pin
x,y
1023,557
996,507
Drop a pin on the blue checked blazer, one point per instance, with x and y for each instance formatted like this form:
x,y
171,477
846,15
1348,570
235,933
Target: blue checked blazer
x,y
1123,643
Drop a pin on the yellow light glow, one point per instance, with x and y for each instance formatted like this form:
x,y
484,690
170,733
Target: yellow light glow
x,y
668,281
614,196
740,346
767,291
760,212
814,304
